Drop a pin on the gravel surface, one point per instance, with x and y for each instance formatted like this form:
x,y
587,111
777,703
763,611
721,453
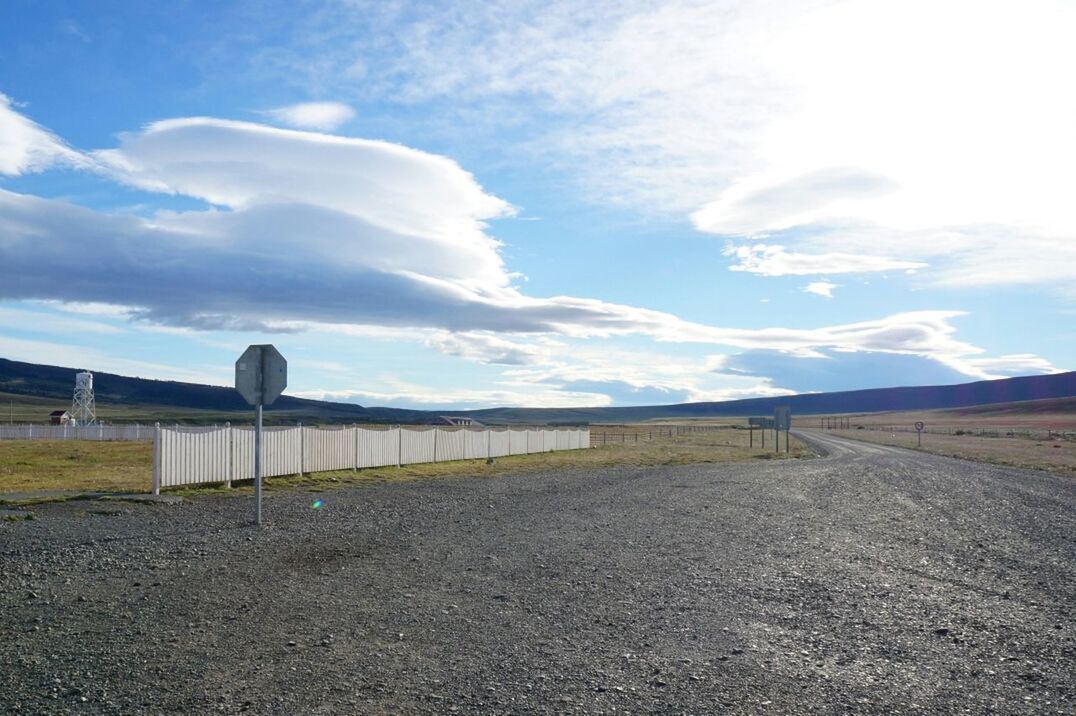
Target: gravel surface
x,y
871,580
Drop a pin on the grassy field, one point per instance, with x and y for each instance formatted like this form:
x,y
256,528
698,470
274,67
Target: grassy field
x,y
602,434
1058,456
75,465
1055,414
124,466
1017,434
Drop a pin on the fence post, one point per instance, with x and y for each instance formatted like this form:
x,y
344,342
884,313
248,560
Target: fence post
x,y
156,479
399,446
489,444
435,431
302,449
231,452
30,431
355,444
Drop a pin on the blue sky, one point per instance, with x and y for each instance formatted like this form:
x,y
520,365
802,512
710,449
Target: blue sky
x,y
464,205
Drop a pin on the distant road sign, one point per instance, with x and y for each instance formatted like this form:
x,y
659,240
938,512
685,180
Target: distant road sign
x,y
782,417
261,374
919,426
760,422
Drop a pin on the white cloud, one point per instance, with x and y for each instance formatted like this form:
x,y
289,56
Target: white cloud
x,y
756,114
756,206
47,322
246,271
774,260
820,288
325,116
490,348
242,165
104,310
310,229
1016,364
429,398
27,147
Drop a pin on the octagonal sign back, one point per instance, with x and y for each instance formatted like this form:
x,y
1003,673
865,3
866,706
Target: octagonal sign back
x,y
261,374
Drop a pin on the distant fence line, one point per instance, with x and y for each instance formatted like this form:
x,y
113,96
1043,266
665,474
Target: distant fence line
x,y
76,432
983,432
191,455
629,434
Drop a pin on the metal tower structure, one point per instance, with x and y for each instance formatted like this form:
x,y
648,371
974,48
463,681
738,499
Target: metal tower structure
x,y
83,410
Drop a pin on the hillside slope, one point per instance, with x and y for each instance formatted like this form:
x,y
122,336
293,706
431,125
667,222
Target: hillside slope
x,y
1007,390
45,381
55,382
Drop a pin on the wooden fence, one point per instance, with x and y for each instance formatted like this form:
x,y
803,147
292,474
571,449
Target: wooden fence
x,y
76,432
191,456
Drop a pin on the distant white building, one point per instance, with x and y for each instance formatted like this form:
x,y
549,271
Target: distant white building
x,y
59,417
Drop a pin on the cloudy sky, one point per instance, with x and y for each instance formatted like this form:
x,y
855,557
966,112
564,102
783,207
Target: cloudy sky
x,y
541,203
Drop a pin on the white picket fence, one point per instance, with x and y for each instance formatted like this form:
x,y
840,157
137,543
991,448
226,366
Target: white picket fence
x,y
76,432
192,456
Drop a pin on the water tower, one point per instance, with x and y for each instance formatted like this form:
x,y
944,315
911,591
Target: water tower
x,y
83,410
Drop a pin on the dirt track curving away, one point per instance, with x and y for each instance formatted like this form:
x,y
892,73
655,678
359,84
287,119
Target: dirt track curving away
x,y
872,580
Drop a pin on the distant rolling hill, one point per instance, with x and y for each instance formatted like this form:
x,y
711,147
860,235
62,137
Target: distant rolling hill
x,y
171,399
1006,390
1048,406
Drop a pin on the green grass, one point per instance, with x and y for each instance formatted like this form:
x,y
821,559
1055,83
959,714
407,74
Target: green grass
x,y
75,465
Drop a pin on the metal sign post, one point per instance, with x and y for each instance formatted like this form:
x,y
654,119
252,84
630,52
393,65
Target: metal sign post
x,y
782,420
261,374
919,434
753,423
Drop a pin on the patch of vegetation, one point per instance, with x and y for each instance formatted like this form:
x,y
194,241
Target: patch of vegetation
x,y
27,465
1059,458
13,516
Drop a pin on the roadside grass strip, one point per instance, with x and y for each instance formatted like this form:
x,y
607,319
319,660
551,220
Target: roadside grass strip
x,y
125,467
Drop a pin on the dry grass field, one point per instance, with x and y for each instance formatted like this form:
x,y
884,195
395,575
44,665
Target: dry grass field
x,y
1055,414
75,465
1035,434
125,467
627,433
1058,456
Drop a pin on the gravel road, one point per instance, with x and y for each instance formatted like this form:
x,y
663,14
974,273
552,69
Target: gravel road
x,y
870,580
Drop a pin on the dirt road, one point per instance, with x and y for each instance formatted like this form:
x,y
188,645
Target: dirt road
x,y
871,580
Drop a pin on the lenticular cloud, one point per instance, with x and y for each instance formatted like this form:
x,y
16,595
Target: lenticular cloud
x,y
302,227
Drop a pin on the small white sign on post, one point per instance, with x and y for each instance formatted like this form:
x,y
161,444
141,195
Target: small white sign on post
x,y
919,433
261,374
